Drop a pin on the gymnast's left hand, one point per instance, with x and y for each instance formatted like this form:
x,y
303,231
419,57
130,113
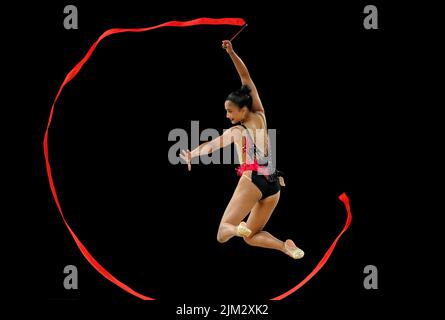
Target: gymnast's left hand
x,y
186,155
227,45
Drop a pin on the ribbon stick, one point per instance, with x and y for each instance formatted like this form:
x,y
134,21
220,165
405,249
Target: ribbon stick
x,y
68,78
236,35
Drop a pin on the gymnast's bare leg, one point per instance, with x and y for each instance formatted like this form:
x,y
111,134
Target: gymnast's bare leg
x,y
244,198
258,218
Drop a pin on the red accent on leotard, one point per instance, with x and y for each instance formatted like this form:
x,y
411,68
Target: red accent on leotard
x,y
252,166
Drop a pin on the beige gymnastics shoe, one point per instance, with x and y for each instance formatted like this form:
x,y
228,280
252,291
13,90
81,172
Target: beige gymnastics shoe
x,y
292,250
242,230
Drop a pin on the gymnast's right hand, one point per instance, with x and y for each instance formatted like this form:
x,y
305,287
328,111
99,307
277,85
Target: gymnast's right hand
x,y
186,155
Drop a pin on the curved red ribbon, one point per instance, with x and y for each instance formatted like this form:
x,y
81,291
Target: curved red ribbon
x,y
344,198
74,72
68,78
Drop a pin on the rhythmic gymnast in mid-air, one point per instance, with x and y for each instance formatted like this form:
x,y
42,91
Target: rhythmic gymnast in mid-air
x,y
258,189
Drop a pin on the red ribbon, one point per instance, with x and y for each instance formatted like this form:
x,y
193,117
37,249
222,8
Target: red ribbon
x,y
344,198
74,72
68,78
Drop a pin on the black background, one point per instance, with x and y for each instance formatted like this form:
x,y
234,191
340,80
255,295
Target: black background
x,y
327,85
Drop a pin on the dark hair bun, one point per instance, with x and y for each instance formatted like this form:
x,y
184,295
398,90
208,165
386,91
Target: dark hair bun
x,y
245,89
241,97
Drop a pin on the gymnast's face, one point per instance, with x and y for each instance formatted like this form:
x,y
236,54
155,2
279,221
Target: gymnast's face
x,y
234,113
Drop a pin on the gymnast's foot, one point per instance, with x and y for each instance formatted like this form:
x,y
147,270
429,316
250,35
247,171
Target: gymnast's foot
x,y
242,230
292,250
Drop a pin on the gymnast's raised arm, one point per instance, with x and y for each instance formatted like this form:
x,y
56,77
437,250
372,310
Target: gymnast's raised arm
x,y
244,75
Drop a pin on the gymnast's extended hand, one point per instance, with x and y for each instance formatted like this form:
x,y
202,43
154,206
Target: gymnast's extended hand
x,y
186,155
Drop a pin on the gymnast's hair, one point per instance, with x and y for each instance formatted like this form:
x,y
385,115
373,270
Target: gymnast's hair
x,y
241,97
